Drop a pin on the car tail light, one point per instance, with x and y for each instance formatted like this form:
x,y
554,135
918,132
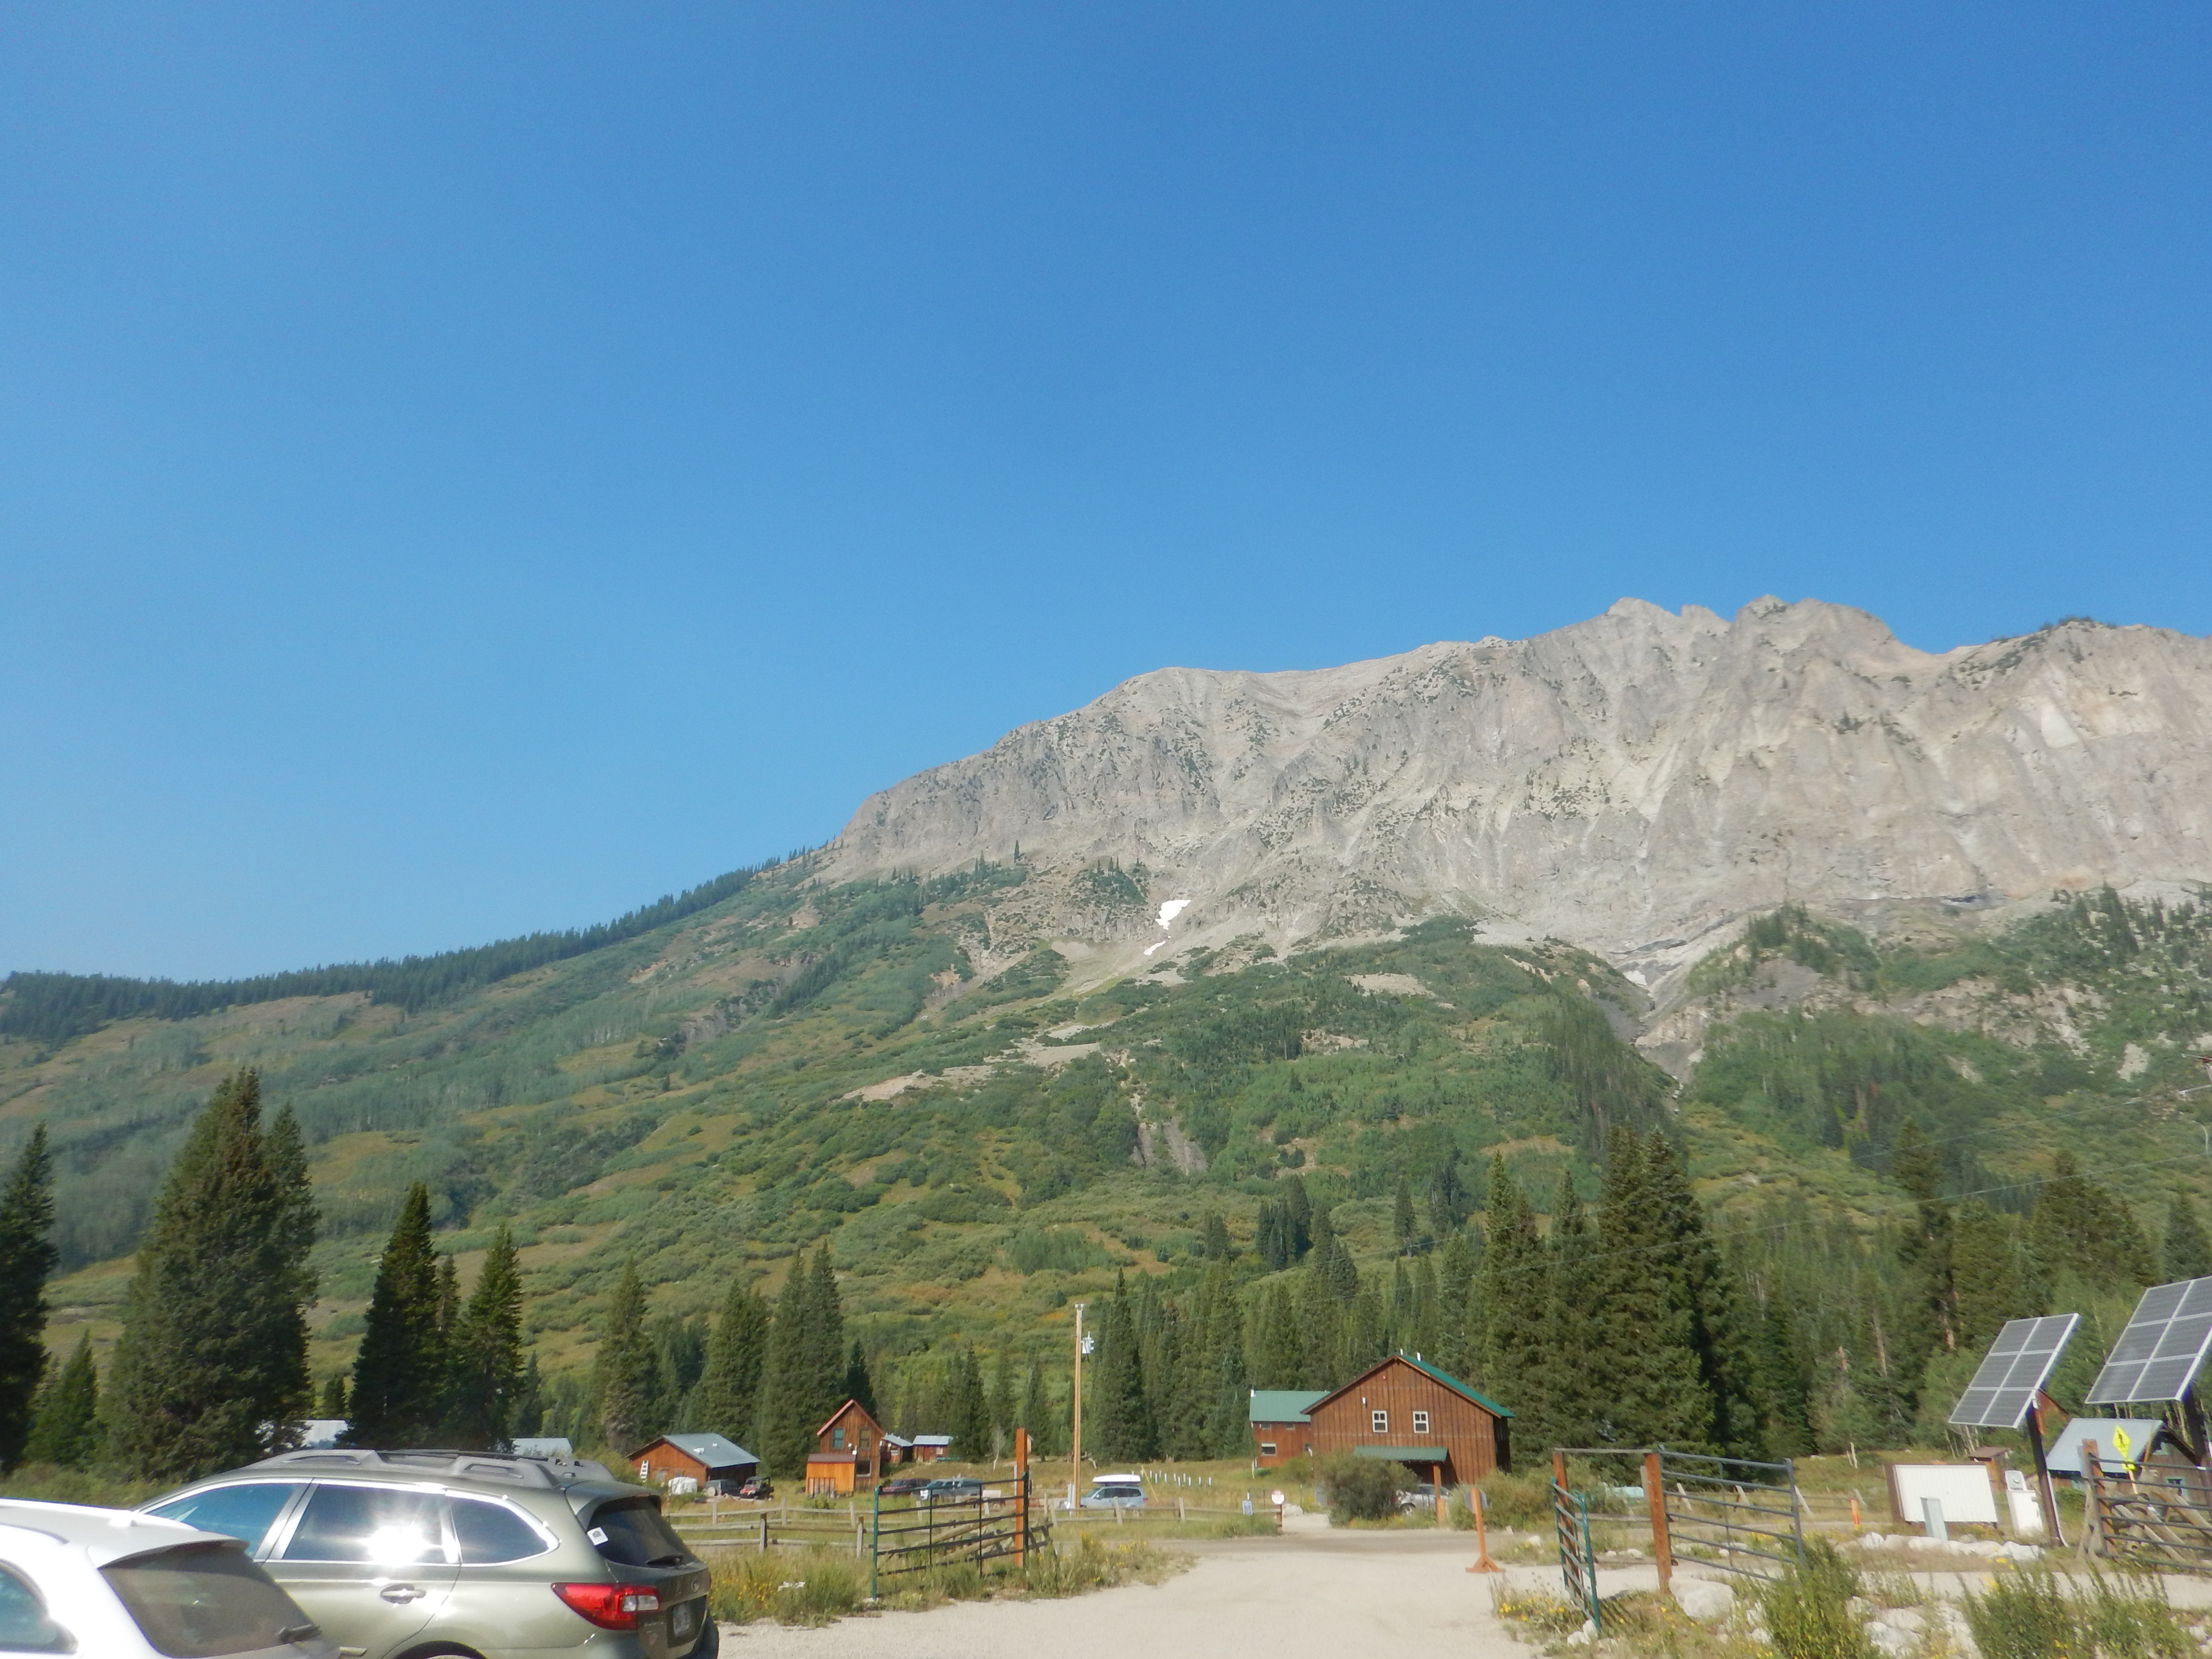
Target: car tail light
x,y
610,1607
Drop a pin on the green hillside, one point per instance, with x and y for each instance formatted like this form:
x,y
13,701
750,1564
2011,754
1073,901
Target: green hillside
x,y
719,1081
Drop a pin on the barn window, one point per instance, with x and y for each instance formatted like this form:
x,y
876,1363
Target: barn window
x,y
1267,1449
836,1440
1420,1422
1379,1421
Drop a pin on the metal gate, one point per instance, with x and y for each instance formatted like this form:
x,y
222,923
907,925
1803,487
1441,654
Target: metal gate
x,y
1578,1565
936,1530
1734,1513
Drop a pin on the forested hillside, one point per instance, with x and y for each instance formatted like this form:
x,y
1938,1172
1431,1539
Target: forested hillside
x,y
1267,1169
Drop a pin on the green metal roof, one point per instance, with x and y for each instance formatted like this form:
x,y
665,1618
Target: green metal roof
x,y
1404,1454
1285,1405
1451,1382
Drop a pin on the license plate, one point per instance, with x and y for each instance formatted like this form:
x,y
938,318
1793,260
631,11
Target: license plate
x,y
684,1619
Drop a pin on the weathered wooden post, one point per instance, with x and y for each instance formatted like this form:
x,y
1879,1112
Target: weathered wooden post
x,y
1662,1544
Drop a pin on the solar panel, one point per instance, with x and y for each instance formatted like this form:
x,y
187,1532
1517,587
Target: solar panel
x,y
2019,1362
2158,1356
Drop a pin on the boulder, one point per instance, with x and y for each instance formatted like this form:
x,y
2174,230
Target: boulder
x,y
1889,1640
1705,1600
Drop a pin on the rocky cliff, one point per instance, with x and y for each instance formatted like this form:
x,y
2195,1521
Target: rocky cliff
x,y
1634,783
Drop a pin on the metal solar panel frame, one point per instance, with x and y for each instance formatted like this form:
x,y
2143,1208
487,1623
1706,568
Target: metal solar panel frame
x,y
2158,1355
2019,1362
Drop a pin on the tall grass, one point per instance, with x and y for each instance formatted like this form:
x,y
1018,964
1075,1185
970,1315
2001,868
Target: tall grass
x,y
1808,1609
815,1586
2030,1614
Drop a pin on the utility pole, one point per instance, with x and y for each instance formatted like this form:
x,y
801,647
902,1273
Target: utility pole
x,y
1075,1455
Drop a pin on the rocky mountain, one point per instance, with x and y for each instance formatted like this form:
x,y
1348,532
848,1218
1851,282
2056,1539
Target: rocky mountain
x,y
1635,783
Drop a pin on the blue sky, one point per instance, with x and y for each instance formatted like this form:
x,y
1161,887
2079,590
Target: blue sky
x,y
470,468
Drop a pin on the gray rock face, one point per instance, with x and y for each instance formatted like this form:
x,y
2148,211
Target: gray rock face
x,y
1630,783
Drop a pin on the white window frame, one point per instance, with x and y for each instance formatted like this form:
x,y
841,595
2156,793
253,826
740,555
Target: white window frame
x,y
1420,1422
1267,1449
1378,1422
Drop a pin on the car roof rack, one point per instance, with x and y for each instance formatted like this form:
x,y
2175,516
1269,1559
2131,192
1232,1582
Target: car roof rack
x,y
507,1469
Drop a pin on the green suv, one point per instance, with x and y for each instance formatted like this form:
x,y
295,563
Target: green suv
x,y
411,1554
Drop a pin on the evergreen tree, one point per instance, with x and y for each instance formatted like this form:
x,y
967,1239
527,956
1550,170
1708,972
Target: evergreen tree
x,y
1218,1248
625,1373
211,1370
806,1364
1279,1358
27,1258
969,1422
2188,1252
1785,1386
857,1385
1993,1276
730,1387
530,1401
1405,1224
824,1344
1511,1283
2077,1227
1124,1430
1459,1338
1577,1408
333,1401
486,1356
66,1432
399,1381
1320,1323
1448,1200
1000,1404
1424,1337
1720,1338
1643,1362
1297,1220
1037,1415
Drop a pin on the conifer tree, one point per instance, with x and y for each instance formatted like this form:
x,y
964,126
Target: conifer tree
x,y
625,1375
1575,1397
399,1381
858,1385
824,1344
1459,1337
969,1422
1427,1324
1512,1285
2078,1228
1125,1430
486,1359
1645,1364
1297,1220
1405,1224
332,1403
1279,1358
1037,1414
66,1432
730,1387
804,1365
1722,1332
1218,1248
1448,1200
1001,1404
211,1370
1994,1283
27,1258
1320,1324
2188,1252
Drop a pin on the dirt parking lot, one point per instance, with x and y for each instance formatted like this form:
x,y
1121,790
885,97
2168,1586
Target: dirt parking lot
x,y
1314,1594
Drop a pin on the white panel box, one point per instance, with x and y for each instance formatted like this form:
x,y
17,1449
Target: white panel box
x,y
1963,1489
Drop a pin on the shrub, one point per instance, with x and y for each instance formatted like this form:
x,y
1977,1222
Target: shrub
x,y
2025,1615
1809,1610
811,1587
1363,1488
2132,1620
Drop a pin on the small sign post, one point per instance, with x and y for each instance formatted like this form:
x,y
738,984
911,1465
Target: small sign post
x,y
1276,1499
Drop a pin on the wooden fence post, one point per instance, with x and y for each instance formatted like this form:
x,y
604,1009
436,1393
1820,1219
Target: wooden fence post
x,y
2093,1474
1663,1542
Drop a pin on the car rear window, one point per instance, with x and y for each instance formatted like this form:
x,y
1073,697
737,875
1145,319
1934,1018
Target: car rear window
x,y
245,1512
26,1626
203,1601
630,1533
491,1533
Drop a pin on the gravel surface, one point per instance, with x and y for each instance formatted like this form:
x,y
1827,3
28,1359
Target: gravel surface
x,y
1314,1595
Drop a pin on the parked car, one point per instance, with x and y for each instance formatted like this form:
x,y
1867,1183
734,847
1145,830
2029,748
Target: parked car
x,y
1114,1492
447,1553
948,1489
110,1585
905,1485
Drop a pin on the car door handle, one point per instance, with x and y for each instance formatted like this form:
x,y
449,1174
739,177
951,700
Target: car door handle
x,y
402,1593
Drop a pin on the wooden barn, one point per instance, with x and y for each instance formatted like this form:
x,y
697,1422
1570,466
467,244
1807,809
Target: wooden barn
x,y
854,1436
1402,1409
708,1459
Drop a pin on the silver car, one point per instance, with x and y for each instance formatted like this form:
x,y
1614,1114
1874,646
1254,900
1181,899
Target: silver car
x,y
110,1585
412,1554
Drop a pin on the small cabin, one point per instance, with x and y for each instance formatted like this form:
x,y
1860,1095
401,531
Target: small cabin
x,y
931,1448
853,1433
708,1459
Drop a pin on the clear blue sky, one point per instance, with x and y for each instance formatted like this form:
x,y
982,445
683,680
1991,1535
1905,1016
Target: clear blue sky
x,y
470,468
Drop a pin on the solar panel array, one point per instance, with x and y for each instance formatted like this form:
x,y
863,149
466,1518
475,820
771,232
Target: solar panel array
x,y
2159,1353
2019,1362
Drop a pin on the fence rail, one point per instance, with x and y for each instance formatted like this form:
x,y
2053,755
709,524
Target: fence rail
x,y
1738,1515
2160,1517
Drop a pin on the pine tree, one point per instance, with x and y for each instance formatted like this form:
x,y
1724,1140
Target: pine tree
x,y
486,1358
400,1383
730,1387
211,1370
1279,1359
1405,1224
1721,1340
1512,1284
1320,1324
2077,1227
1459,1338
801,1372
1993,1276
1643,1363
1218,1248
297,1222
625,1375
1001,1404
824,1344
1124,1430
1037,1414
2188,1251
27,1258
332,1403
66,1432
1298,1220
970,1420
1577,1408
858,1386
1448,1200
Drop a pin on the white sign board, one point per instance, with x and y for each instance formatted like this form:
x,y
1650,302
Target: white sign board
x,y
1963,1489
1276,1496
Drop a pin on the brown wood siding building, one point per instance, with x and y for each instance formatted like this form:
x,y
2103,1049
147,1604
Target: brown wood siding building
x,y
851,1433
1413,1413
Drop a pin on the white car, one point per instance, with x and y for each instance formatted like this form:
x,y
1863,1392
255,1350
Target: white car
x,y
110,1584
